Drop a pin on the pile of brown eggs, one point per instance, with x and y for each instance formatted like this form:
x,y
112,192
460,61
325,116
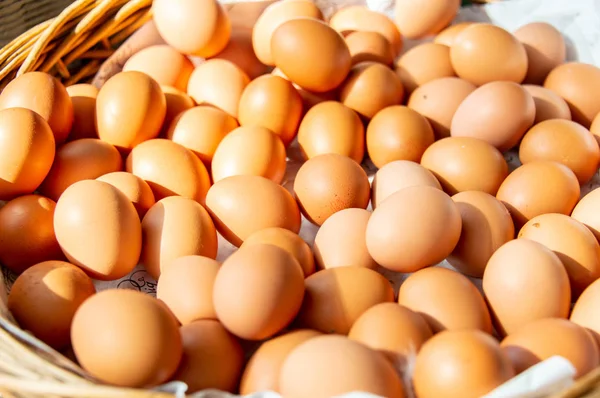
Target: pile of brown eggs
x,y
176,153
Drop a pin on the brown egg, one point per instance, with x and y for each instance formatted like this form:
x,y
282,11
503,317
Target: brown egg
x,y
446,299
242,205
287,240
538,188
585,310
595,128
431,225
27,225
512,281
311,54
392,329
175,227
329,183
164,64
371,87
398,133
499,113
369,46
201,129
262,370
136,189
398,175
438,101
329,366
486,226
212,357
565,142
239,50
44,298
422,64
572,242
576,82
309,99
130,109
587,211
141,326
84,159
83,97
177,102
418,20
545,48
340,242
544,338
331,304
272,102
548,104
46,96
250,150
177,23
359,18
185,175
448,36
465,164
483,53
258,291
487,368
331,127
28,152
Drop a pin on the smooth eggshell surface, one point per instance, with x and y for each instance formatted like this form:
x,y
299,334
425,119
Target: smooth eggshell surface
x,y
240,52
164,64
136,189
545,48
369,46
587,211
177,101
418,20
585,310
422,64
548,104
83,96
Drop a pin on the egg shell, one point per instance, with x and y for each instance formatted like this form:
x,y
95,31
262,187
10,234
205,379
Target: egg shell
x,y
177,101
139,325
262,370
576,82
272,102
311,54
242,205
585,310
545,47
398,133
164,64
595,128
548,104
177,23
83,97
84,159
371,87
422,64
486,226
438,101
331,304
398,175
309,98
544,338
487,368
465,164
331,127
418,20
201,129
130,109
274,16
27,225
413,228
28,153
484,53
572,242
565,142
358,18
392,329
446,299
185,175
329,183
340,242
219,83
512,281
175,227
287,240
587,211
212,357
448,35
136,189
537,188
46,96
328,366
258,291
250,150
369,46
44,298
239,50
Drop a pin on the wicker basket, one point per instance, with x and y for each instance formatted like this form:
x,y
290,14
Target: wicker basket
x,y
73,46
